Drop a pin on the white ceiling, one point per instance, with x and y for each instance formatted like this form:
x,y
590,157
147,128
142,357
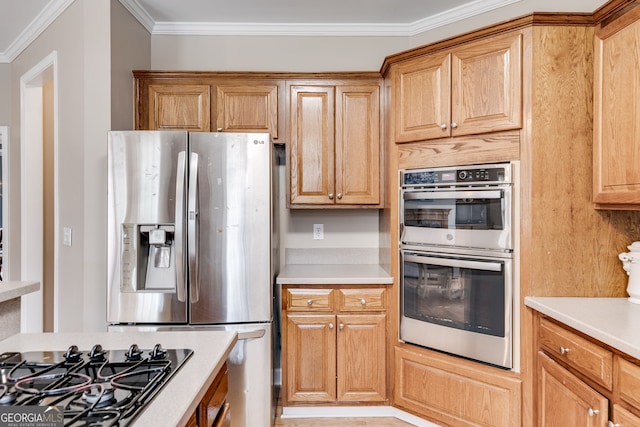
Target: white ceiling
x,y
21,21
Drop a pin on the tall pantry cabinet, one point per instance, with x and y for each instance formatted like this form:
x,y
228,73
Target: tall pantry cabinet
x,y
562,242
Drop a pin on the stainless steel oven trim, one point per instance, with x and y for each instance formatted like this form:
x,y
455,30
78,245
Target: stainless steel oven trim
x,y
485,348
438,194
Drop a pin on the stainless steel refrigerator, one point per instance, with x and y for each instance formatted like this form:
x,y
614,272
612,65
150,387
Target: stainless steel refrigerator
x,y
192,244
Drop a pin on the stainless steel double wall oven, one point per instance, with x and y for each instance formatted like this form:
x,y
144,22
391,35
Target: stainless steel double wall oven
x,y
456,260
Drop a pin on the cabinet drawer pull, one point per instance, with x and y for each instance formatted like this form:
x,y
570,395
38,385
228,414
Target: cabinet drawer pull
x,y
330,196
309,302
611,424
330,325
443,126
363,301
341,326
454,125
593,412
339,195
564,350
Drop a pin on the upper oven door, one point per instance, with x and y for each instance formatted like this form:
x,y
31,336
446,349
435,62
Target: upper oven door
x,y
466,217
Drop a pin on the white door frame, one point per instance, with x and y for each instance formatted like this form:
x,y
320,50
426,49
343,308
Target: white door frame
x,y
31,192
6,193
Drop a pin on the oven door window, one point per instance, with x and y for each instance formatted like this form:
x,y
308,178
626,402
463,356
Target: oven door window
x,y
475,210
461,293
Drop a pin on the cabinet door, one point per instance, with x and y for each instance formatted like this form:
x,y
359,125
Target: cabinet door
x,y
486,87
624,418
180,107
617,115
357,139
421,89
309,355
247,108
361,357
564,400
312,144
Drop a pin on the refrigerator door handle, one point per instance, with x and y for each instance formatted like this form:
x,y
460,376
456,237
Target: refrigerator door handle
x,y
181,283
192,229
245,335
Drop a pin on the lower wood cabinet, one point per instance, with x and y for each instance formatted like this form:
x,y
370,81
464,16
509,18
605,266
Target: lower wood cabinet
x,y
564,400
583,382
214,410
455,392
334,345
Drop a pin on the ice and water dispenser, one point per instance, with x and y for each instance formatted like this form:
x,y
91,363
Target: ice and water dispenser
x,y
148,258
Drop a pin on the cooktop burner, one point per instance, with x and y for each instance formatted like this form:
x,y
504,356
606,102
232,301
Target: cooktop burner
x,y
96,387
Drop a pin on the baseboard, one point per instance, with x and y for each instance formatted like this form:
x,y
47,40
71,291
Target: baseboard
x,y
353,412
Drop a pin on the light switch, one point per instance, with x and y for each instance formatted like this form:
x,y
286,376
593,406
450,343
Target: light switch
x,y
66,236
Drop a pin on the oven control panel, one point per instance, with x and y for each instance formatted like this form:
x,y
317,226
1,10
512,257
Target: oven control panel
x,y
496,173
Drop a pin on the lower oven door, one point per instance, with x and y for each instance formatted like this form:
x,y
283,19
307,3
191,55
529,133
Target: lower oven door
x,y
458,304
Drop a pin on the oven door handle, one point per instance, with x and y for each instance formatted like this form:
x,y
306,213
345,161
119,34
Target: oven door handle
x,y
461,263
467,194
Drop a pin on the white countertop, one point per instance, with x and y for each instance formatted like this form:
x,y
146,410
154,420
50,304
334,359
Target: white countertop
x,y
613,321
179,397
10,289
333,274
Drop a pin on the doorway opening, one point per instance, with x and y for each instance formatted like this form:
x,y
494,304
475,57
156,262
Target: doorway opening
x,y
38,201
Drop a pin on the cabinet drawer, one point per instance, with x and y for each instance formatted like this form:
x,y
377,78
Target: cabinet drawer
x,y
309,299
361,299
628,381
588,358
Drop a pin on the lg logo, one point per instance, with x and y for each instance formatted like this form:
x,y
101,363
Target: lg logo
x,y
257,141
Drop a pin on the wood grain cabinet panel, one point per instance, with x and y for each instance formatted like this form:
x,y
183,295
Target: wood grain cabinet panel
x,y
361,357
564,400
310,358
616,183
334,145
623,418
588,358
454,391
628,381
470,90
337,357
247,108
177,107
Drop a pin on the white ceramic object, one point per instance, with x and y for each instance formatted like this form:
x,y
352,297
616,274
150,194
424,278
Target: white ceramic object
x,y
631,264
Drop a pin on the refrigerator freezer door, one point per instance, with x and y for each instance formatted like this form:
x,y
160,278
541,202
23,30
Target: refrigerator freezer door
x,y
143,278
234,222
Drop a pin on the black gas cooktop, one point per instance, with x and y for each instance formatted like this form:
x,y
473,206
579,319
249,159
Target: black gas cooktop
x,y
96,387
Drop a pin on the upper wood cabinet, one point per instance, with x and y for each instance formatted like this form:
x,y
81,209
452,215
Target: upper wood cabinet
x,y
247,108
476,88
616,125
209,102
185,107
334,144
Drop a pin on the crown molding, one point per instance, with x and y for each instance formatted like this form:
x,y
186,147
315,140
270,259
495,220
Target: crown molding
x,y
310,29
52,10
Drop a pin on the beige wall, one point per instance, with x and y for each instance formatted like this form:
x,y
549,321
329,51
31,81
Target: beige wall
x,y
81,36
5,94
130,50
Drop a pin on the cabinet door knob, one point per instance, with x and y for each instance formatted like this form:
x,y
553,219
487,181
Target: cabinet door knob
x,y
330,196
219,129
564,350
339,195
330,325
363,301
443,126
611,424
309,302
593,412
341,326
454,125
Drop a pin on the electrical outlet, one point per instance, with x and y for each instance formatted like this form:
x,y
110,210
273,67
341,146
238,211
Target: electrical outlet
x,y
318,231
